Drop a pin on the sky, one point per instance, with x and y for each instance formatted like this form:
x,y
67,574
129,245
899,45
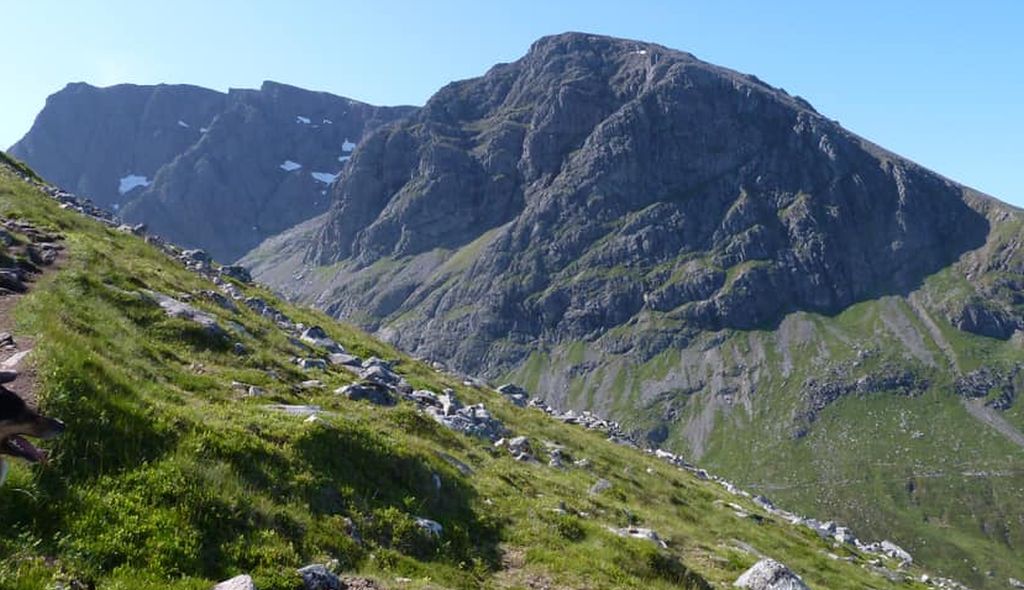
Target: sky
x,y
937,81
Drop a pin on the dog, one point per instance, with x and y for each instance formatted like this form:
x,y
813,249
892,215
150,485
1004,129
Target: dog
x,y
17,421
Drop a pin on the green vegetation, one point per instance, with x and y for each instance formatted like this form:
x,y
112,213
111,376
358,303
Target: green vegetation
x,y
170,477
918,470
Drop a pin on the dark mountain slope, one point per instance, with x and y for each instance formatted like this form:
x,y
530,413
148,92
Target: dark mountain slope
x,y
632,178
621,227
245,166
89,138
264,165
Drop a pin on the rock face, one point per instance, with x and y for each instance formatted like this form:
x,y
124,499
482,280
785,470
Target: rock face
x,y
623,228
242,582
87,139
596,179
769,574
201,168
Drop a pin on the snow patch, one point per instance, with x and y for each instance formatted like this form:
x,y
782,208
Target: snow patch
x,y
289,166
324,177
302,120
203,130
328,122
131,182
348,146
182,124
343,158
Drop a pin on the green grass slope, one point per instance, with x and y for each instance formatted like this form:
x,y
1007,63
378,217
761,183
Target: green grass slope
x,y
913,465
167,477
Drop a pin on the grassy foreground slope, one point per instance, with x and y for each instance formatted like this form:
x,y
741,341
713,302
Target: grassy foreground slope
x,y
169,477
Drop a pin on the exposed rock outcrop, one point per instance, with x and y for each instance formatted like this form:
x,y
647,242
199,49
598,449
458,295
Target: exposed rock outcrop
x,y
202,168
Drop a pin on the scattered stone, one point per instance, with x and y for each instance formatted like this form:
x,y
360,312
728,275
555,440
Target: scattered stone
x,y
242,582
602,485
369,391
640,533
433,528
7,340
11,280
14,361
317,577
844,535
381,375
239,349
515,394
769,574
312,363
352,583
519,447
473,420
311,384
234,271
316,336
177,309
219,300
348,360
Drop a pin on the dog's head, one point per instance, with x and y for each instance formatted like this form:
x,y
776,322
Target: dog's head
x,y
17,421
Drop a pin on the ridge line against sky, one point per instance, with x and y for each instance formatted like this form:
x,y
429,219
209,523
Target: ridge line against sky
x,y
939,82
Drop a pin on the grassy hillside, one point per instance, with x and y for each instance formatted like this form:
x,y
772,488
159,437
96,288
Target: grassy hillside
x,y
906,459
170,477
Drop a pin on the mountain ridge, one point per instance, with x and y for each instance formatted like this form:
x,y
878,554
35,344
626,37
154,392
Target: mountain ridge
x,y
623,228
253,163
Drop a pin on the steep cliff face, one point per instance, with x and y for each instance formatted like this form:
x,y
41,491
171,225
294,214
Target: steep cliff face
x,y
621,178
264,165
621,227
108,142
205,169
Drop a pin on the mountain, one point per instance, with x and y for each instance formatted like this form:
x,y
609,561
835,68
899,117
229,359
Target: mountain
x,y
213,432
88,139
205,169
621,227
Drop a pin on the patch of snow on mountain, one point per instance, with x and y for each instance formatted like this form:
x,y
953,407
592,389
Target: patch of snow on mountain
x,y
289,166
131,182
348,146
182,124
302,120
328,122
324,177
203,130
343,158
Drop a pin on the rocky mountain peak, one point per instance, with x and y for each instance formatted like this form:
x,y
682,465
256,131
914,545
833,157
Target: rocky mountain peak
x,y
623,177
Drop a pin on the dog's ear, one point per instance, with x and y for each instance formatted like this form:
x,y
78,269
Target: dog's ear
x,y
12,406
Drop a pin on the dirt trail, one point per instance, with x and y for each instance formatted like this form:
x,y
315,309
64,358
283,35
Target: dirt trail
x,y
28,254
990,417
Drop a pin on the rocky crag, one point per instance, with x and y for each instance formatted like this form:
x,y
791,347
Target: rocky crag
x,y
624,228
204,168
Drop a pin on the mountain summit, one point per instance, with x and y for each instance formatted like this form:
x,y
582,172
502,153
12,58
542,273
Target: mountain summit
x,y
601,179
621,227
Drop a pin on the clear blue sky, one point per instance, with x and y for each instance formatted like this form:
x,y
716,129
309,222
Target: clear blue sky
x,y
940,82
